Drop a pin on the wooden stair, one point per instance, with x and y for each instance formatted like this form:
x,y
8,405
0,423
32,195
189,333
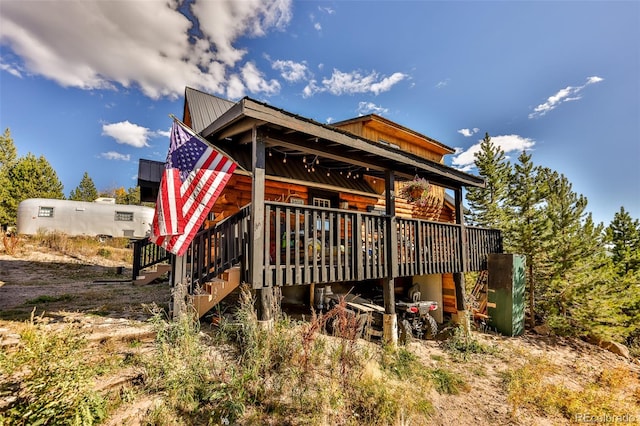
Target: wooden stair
x,y
151,274
480,294
216,290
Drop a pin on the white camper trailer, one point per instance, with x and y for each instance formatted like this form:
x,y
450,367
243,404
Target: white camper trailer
x,y
102,217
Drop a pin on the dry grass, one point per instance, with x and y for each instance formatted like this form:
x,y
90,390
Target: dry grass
x,y
536,386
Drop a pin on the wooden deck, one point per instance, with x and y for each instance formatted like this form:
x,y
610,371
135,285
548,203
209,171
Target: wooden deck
x,y
306,244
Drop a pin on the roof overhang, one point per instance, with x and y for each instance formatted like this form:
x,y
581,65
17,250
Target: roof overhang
x,y
301,136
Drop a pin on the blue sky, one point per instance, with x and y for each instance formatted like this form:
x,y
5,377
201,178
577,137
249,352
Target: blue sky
x,y
90,84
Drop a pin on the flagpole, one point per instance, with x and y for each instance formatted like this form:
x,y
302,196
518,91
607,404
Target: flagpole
x,y
194,134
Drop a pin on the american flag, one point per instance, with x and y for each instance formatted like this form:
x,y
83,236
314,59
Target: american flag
x,y
195,174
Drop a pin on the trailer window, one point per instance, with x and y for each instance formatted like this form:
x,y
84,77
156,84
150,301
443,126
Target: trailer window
x,y
45,212
124,216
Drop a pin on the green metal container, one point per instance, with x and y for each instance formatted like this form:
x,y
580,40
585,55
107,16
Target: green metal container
x,y
506,286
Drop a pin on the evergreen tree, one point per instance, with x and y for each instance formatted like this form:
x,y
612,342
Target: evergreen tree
x,y
133,195
575,249
31,177
623,235
566,212
85,191
8,157
528,227
8,151
486,205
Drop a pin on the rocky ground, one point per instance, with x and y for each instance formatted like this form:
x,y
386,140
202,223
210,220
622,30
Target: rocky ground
x,y
90,292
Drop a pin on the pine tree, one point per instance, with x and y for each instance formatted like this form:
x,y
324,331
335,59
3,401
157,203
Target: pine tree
x,y
566,211
8,157
85,191
486,205
31,177
8,151
623,235
528,227
133,195
575,249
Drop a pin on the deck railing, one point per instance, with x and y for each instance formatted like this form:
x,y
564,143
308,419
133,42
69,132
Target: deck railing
x,y
219,247
481,242
306,244
146,254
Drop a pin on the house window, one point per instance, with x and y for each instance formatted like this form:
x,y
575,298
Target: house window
x,y
45,212
321,202
124,216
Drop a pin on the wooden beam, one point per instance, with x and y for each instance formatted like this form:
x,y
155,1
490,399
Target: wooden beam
x,y
256,266
458,277
180,287
392,244
390,320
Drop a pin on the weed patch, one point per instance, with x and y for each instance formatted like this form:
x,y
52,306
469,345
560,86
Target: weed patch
x,y
533,386
463,345
51,381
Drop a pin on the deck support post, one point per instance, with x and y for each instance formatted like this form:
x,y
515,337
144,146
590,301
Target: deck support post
x,y
390,320
265,306
179,287
264,295
458,277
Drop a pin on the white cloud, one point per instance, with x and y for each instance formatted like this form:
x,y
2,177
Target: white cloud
x,y
353,82
235,88
99,44
568,94
317,26
163,133
327,10
443,83
112,155
365,108
292,71
387,83
468,132
311,89
254,79
11,69
128,133
464,159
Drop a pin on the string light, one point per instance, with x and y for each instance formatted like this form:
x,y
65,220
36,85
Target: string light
x,y
349,171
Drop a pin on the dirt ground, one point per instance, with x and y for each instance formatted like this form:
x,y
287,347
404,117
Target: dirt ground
x,y
90,291
49,282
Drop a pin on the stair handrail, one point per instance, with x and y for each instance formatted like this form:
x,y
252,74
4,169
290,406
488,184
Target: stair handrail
x,y
219,247
146,254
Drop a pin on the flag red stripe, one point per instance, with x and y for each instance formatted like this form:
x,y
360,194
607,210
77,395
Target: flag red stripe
x,y
182,207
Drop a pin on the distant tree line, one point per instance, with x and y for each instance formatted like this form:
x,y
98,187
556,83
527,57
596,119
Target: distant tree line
x,y
33,177
583,278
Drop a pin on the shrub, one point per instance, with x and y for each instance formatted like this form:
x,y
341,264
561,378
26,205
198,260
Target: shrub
x,y
52,379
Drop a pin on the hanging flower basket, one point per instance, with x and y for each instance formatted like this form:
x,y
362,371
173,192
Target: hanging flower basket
x,y
417,191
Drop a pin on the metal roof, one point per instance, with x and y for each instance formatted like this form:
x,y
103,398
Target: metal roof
x,y
203,109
